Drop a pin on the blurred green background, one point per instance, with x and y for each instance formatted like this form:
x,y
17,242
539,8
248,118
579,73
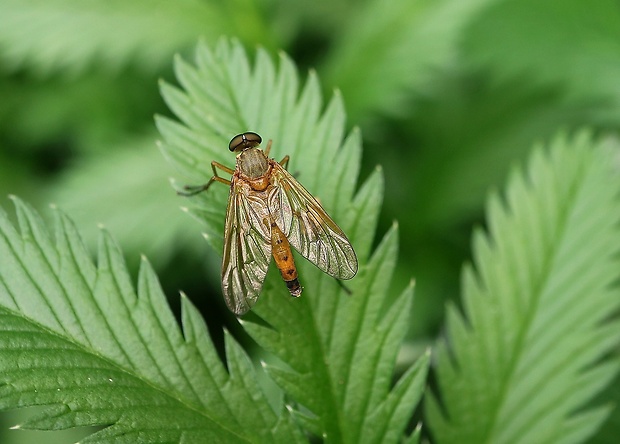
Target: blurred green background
x,y
450,95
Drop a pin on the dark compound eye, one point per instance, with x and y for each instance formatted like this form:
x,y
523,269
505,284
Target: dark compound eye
x,y
243,141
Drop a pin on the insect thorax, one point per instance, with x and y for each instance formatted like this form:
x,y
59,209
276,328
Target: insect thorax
x,y
252,163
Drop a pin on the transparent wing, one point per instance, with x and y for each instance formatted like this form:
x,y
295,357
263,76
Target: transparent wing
x,y
247,248
308,227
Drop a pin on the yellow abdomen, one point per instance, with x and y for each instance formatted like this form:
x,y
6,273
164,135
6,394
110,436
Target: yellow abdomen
x,y
282,254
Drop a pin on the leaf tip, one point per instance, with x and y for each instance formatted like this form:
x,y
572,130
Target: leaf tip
x,y
418,428
427,352
411,283
282,54
158,117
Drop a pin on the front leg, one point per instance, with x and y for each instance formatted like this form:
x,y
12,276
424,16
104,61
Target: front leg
x,y
191,190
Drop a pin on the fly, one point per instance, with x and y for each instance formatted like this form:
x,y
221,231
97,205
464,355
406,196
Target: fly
x,y
268,211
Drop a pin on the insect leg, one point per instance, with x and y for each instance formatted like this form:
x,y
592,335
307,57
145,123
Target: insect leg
x,y
346,289
285,159
191,190
284,162
268,148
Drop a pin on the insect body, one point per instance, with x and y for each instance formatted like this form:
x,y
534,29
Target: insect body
x,y
268,211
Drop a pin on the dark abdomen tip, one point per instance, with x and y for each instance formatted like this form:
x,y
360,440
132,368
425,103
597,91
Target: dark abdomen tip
x,y
293,287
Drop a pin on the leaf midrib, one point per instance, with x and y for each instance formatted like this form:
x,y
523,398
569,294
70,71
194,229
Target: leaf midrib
x,y
338,425
564,215
87,347
115,366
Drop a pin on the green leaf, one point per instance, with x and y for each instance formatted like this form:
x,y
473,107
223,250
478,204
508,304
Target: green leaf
x,y
339,349
484,134
572,45
126,190
528,353
390,50
50,35
76,338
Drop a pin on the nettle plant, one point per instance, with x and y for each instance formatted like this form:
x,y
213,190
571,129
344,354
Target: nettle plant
x,y
520,361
